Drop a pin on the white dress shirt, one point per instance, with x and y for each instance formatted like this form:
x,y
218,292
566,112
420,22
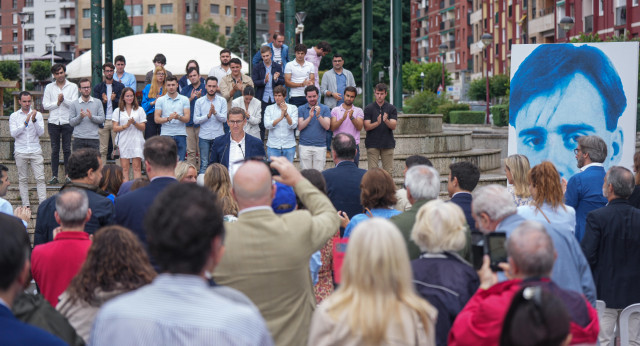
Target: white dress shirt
x,y
219,72
236,153
59,115
27,137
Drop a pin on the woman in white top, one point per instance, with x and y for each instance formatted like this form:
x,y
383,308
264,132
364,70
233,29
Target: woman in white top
x,y
548,200
253,107
130,119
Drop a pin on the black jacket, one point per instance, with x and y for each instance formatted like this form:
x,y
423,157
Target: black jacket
x,y
101,88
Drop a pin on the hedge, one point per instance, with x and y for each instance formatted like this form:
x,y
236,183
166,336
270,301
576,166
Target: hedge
x,y
500,115
467,117
445,109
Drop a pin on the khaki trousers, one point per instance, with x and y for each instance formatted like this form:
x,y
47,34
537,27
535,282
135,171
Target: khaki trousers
x,y
374,155
104,139
193,148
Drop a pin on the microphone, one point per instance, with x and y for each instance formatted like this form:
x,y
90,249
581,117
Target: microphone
x,y
240,146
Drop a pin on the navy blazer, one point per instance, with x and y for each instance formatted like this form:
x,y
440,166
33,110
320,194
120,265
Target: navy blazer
x,y
253,147
343,187
258,74
101,88
463,200
15,332
584,194
131,208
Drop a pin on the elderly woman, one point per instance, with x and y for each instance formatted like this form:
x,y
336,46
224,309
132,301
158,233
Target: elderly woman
x,y
377,196
441,276
516,168
376,303
548,200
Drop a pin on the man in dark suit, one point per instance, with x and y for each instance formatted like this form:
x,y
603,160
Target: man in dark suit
x,y
108,91
160,158
266,75
463,178
14,277
343,181
231,149
584,189
611,242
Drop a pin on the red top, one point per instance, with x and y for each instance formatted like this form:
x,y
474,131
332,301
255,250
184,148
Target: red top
x,y
54,264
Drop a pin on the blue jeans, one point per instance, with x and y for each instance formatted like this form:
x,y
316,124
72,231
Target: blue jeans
x,y
288,153
181,142
357,158
297,100
329,138
206,145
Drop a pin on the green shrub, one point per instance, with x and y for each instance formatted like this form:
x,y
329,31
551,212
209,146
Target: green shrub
x,y
467,117
425,102
500,114
445,109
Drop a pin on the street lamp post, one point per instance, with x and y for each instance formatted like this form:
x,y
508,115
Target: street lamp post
x,y
241,48
443,50
566,23
422,78
300,17
487,40
23,19
52,38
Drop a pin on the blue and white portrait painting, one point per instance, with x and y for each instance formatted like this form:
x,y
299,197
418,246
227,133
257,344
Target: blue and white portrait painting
x,y
560,92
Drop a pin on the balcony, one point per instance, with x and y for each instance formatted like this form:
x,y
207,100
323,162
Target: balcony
x,y
67,38
588,23
67,22
621,16
541,24
451,44
476,17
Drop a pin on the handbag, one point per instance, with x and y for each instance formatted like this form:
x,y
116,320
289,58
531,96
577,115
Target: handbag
x,y
115,154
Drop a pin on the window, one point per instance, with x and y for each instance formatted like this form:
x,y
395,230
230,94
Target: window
x,y
15,35
278,14
227,30
28,3
137,10
243,12
151,9
86,33
214,9
29,48
86,13
137,29
49,14
28,34
188,8
227,11
261,18
30,18
166,28
15,3
15,49
166,8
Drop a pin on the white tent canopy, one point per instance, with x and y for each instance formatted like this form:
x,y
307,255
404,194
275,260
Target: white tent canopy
x,y
139,51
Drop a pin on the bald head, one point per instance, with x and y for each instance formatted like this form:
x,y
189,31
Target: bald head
x,y
252,185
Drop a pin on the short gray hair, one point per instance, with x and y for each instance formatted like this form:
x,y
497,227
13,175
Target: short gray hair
x,y
594,146
622,181
72,205
423,182
494,200
531,249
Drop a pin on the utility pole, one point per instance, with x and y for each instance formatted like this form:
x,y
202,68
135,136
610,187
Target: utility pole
x,y
96,42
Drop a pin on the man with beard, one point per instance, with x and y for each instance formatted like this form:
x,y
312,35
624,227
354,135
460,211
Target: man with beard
x,y
173,112
109,93
266,75
313,124
279,51
210,112
232,85
348,118
584,189
223,69
193,92
86,118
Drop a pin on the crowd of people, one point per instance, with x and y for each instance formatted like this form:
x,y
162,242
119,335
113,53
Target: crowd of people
x,y
206,232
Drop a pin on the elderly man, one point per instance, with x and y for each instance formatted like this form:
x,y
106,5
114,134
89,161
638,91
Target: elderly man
x,y
494,211
423,184
584,189
610,243
179,307
531,257
267,256
54,264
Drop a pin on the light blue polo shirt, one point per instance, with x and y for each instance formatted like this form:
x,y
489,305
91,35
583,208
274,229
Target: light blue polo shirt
x,y
168,105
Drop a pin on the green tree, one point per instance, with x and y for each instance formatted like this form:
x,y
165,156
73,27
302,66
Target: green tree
x,y
121,24
498,87
208,31
10,70
432,76
239,37
151,28
41,70
425,102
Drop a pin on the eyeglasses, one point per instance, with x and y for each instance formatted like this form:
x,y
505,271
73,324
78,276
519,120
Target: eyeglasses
x,y
236,122
576,151
108,71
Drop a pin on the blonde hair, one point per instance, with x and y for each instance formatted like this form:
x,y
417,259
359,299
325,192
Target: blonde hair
x,y
155,87
182,168
218,181
518,165
439,227
376,282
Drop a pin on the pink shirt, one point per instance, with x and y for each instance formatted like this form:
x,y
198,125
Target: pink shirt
x,y
314,58
347,125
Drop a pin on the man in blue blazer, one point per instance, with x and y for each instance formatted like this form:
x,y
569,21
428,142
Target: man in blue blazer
x,y
160,158
343,181
231,149
279,51
266,75
584,189
463,178
14,277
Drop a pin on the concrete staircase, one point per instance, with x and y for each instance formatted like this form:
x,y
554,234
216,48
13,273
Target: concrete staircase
x,y
415,134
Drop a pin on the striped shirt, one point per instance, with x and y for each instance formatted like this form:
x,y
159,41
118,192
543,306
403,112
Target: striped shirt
x,y
178,309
